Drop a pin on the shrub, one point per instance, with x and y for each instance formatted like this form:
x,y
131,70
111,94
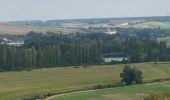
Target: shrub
x,y
155,96
131,75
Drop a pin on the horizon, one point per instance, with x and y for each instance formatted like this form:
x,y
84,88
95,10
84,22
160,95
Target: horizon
x,y
81,18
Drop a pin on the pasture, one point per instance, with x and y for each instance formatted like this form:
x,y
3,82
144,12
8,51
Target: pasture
x,y
136,92
164,25
26,84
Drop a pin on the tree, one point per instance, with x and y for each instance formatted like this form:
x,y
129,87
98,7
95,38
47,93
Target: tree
x,y
131,75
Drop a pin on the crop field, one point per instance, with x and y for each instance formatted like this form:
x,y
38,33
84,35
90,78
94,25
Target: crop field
x,y
136,92
165,25
11,29
26,84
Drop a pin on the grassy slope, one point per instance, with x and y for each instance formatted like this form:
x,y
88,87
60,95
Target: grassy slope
x,y
149,25
120,93
24,84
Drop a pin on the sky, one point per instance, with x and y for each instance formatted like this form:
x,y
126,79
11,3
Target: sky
x,y
11,10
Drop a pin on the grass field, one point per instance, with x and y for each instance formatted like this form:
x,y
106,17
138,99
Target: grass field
x,y
165,39
18,85
23,29
165,25
121,93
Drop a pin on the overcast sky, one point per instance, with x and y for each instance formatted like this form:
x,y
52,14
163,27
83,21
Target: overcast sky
x,y
72,9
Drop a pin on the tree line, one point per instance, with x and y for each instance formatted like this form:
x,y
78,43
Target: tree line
x,y
15,58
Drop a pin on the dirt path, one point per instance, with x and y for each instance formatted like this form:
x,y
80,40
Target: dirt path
x,y
55,96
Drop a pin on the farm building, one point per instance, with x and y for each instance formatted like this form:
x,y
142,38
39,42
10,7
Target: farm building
x,y
114,59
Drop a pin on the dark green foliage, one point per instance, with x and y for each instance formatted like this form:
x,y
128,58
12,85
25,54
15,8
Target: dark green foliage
x,y
131,75
139,45
102,86
51,49
15,58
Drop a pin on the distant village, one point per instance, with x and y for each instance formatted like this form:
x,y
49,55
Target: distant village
x,y
10,42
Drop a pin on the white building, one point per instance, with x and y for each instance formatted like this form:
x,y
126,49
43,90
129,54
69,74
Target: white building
x,y
116,59
110,32
11,43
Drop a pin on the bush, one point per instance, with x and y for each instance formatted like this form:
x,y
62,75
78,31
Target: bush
x,y
99,86
76,67
155,96
111,85
131,75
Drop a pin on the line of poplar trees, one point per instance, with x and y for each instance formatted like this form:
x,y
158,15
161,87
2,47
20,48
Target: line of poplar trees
x,y
14,58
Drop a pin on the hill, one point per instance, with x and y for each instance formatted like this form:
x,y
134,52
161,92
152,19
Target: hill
x,y
67,26
164,25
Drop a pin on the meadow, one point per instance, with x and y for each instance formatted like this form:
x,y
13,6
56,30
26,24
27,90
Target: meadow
x,y
27,84
164,25
136,92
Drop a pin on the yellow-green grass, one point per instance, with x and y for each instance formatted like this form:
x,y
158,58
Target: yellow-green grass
x,y
164,25
18,85
136,92
24,29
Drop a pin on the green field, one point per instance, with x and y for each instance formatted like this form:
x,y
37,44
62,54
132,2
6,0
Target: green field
x,y
165,25
136,92
19,85
165,39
